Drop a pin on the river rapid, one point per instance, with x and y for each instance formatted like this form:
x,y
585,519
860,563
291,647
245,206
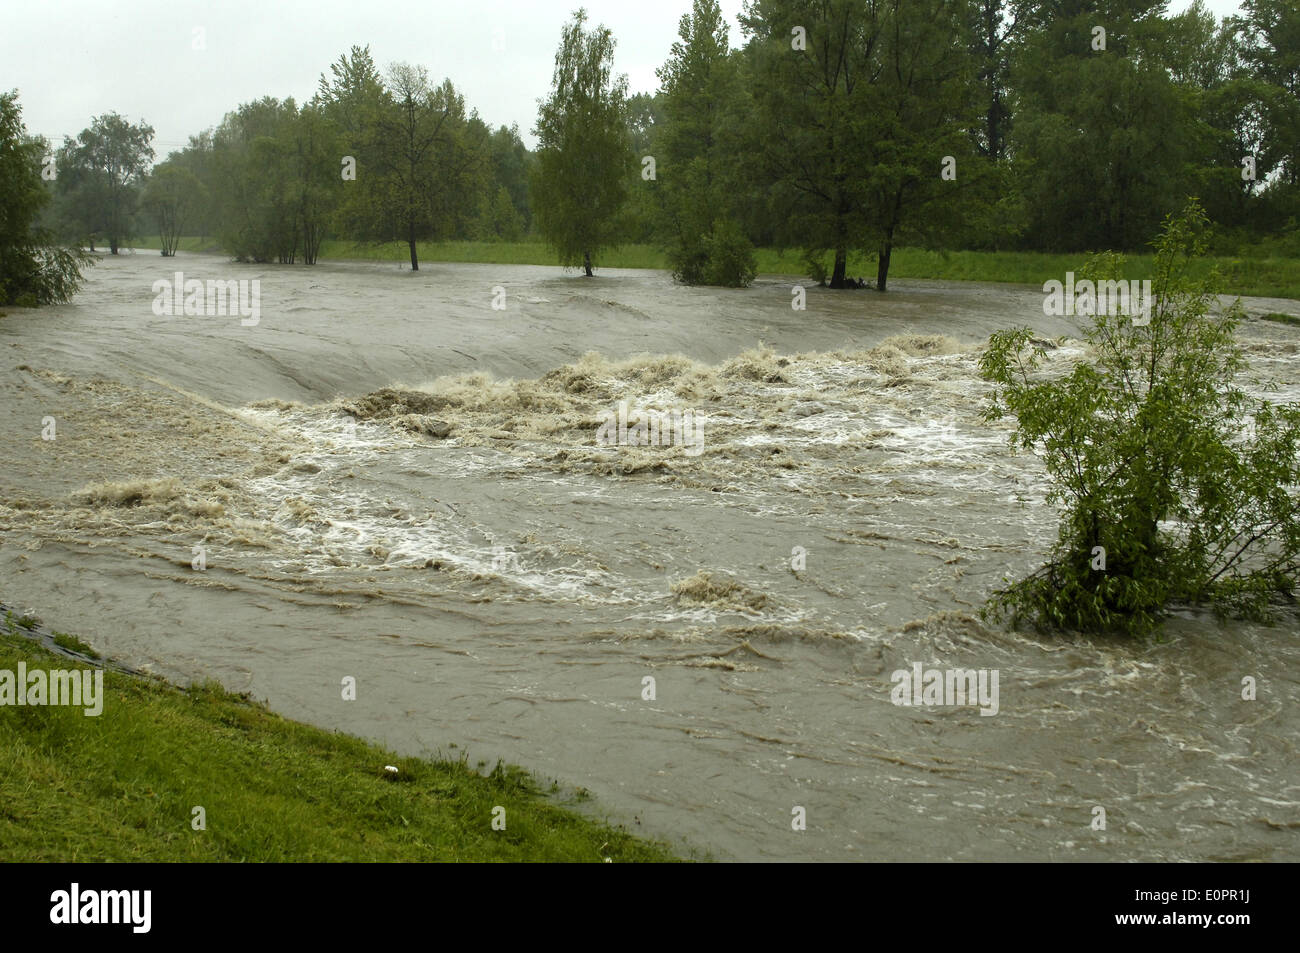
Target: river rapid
x,y
509,588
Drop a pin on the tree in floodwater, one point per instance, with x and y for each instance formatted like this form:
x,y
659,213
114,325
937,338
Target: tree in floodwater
x,y
254,181
314,141
584,156
924,108
171,194
858,102
33,269
99,176
196,159
423,163
812,66
1176,486
276,177
701,106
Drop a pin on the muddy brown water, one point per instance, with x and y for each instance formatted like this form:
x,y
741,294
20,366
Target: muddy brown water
x,y
509,589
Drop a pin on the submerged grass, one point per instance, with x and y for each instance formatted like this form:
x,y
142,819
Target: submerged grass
x,y
122,786
74,644
1263,276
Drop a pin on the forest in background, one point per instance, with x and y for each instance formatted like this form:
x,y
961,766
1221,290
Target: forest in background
x,y
835,128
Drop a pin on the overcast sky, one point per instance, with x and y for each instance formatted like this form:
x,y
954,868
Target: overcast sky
x,y
75,59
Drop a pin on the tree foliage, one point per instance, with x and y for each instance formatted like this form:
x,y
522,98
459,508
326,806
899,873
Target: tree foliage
x,y
584,157
1175,484
425,159
858,103
34,270
701,101
100,174
171,194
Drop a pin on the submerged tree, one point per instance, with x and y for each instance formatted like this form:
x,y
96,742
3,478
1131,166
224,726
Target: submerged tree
x,y
276,180
255,181
1176,485
33,269
584,156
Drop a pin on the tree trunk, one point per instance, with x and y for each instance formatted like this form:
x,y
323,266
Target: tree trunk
x,y
415,262
586,264
887,246
112,245
882,264
841,265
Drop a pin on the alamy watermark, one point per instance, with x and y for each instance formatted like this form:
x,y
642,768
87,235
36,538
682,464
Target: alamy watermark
x,y
80,688
952,686
652,428
213,299
1110,297
73,906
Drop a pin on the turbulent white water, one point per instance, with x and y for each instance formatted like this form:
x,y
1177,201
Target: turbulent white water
x,y
508,588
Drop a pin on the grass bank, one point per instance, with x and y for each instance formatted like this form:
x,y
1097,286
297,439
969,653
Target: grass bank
x,y
1269,277
121,786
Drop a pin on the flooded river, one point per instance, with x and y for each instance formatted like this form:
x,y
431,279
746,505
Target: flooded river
x,y
702,634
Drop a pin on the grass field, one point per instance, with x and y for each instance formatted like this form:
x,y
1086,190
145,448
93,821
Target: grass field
x,y
1270,277
121,786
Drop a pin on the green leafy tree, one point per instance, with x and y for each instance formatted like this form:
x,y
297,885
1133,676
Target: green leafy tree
x,y
812,106
499,220
276,170
511,162
317,185
992,30
924,110
1268,32
1101,136
1224,106
1270,35
255,180
1175,485
34,270
857,104
584,157
196,159
351,95
100,173
423,165
642,213
701,104
171,193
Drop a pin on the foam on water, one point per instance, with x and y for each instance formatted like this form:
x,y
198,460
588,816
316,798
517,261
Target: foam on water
x,y
510,585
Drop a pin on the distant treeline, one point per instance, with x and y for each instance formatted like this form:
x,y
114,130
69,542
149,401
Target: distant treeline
x,y
835,127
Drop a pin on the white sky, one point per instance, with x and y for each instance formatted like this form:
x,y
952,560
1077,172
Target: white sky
x,y
75,59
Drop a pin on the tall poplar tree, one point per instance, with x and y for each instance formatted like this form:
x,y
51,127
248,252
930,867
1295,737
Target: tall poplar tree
x,y
584,156
697,142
